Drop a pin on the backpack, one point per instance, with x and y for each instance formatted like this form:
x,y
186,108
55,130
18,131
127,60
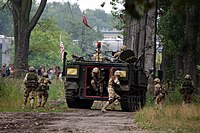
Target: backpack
x,y
43,84
32,80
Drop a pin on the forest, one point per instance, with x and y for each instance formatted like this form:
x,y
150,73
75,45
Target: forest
x,y
57,20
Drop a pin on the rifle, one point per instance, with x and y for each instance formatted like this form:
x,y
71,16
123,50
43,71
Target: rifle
x,y
154,98
101,80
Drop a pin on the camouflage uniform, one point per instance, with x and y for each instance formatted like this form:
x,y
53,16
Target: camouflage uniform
x,y
44,82
98,87
112,95
31,85
97,56
123,48
187,89
159,93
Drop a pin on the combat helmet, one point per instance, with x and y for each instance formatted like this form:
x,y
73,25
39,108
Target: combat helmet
x,y
123,47
117,73
187,77
31,69
95,70
45,74
157,80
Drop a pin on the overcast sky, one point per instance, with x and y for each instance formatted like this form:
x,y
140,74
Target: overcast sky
x,y
88,4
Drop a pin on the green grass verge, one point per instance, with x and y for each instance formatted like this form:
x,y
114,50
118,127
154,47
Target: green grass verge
x,y
173,117
11,97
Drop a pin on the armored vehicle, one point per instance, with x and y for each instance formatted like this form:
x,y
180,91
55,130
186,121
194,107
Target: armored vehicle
x,y
78,89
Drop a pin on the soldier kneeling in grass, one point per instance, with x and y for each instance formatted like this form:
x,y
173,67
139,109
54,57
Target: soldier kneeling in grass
x,y
43,88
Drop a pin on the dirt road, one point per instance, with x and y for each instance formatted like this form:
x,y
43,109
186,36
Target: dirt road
x,y
71,121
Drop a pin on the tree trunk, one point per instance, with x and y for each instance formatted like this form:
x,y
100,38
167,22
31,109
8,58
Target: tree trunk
x,y
140,37
179,65
189,55
22,29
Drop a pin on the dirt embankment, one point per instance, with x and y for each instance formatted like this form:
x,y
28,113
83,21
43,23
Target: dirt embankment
x,y
72,121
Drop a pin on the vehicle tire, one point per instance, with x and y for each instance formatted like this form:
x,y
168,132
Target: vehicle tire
x,y
75,102
130,103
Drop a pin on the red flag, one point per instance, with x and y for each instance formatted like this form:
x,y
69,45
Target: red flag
x,y
85,21
62,49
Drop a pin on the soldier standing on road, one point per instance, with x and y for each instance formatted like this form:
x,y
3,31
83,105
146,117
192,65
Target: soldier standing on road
x,y
123,48
187,89
113,97
159,93
31,85
95,82
43,88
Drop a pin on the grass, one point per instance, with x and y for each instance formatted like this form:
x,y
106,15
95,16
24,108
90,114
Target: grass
x,y
173,117
11,96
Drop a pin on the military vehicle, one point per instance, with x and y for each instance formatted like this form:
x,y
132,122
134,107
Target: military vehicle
x,y
80,94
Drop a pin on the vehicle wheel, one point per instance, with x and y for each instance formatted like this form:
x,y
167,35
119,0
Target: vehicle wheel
x,y
75,102
130,103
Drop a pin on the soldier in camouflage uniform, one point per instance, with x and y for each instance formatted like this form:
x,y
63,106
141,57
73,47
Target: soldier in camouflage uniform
x,y
187,89
112,95
31,85
123,48
44,82
97,56
96,84
159,93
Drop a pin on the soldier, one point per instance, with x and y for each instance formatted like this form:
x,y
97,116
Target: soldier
x,y
44,82
96,82
98,55
112,95
159,93
187,89
123,48
31,85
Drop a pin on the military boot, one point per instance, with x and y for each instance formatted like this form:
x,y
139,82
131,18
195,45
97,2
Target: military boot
x,y
105,106
43,103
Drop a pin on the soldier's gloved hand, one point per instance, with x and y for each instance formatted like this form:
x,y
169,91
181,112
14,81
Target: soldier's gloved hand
x,y
126,87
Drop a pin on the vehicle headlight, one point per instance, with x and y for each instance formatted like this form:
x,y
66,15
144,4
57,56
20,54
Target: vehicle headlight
x,y
123,74
72,71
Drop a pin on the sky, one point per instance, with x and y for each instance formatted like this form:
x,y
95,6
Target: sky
x,y
88,4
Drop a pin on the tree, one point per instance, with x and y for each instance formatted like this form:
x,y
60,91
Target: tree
x,y
23,25
190,45
69,18
179,28
5,20
44,44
